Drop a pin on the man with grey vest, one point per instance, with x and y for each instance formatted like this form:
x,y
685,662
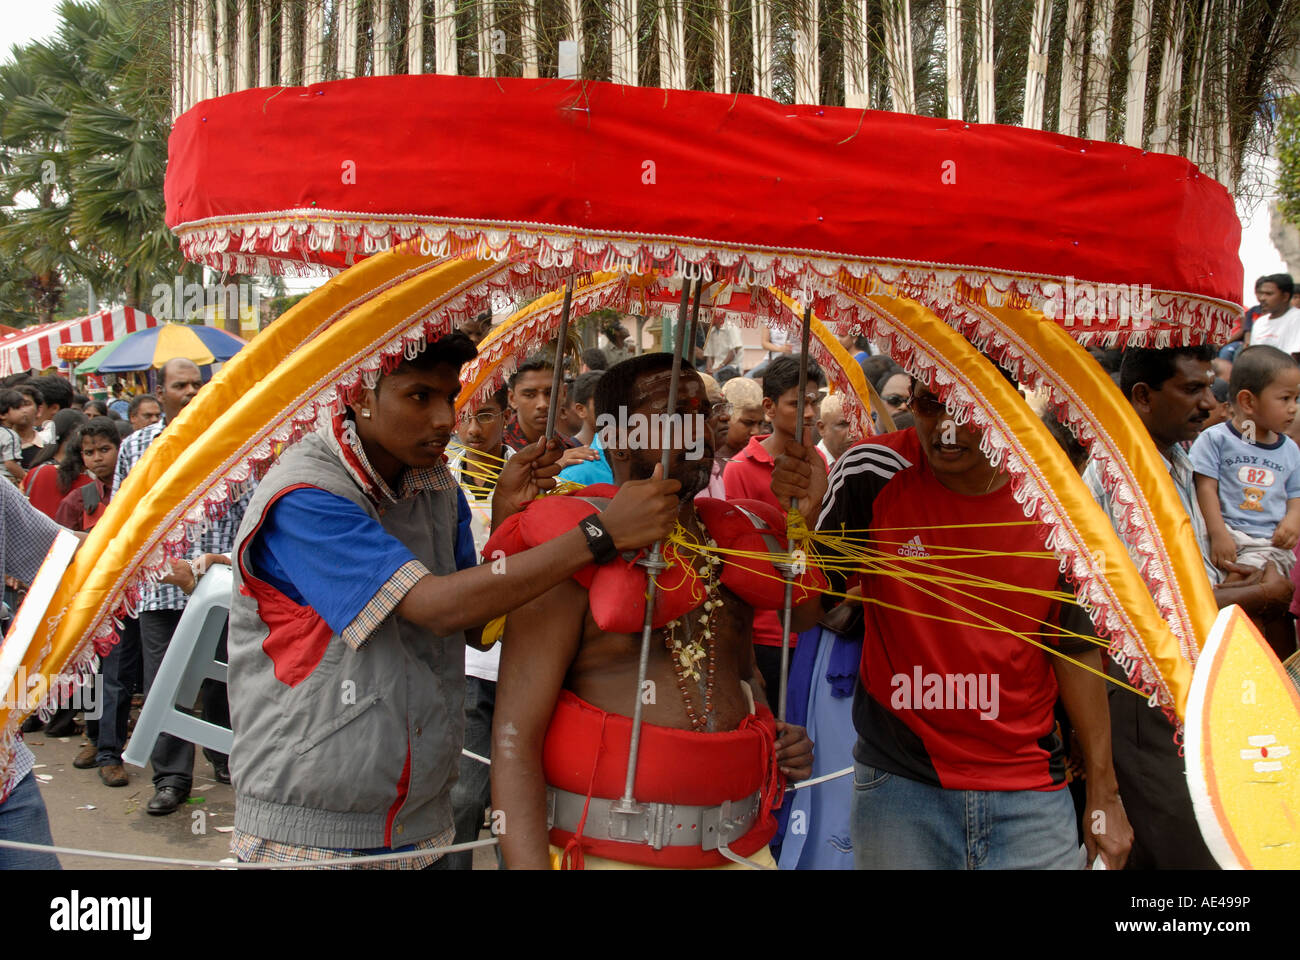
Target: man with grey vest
x,y
356,590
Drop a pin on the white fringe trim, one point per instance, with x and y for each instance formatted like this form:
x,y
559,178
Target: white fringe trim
x,y
286,241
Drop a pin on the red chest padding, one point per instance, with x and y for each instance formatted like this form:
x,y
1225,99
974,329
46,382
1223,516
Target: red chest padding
x,y
617,589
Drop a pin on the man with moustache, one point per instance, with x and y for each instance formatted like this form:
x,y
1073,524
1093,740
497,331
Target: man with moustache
x,y
710,750
950,783
1170,391
1278,324
355,590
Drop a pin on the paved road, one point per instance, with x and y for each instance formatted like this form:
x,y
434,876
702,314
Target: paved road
x,y
87,815
90,816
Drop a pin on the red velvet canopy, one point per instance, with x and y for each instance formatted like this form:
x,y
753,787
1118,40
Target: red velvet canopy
x,y
638,178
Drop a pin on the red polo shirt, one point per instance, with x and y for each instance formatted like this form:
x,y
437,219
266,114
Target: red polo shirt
x,y
749,477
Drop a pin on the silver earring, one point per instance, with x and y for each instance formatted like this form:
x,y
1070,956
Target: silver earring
x,y
366,414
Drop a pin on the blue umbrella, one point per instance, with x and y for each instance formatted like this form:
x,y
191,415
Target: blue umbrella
x,y
153,347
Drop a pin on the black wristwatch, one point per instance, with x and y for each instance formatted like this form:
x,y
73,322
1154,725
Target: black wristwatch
x,y
599,541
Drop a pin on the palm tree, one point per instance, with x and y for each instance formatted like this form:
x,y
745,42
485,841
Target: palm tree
x,y
117,144
84,118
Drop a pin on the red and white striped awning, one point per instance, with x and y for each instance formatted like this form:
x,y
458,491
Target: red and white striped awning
x,y
36,347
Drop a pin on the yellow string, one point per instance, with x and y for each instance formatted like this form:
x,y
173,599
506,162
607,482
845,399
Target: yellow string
x,y
857,556
682,539
458,446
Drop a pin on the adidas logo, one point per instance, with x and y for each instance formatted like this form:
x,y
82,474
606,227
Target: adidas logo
x,y
913,548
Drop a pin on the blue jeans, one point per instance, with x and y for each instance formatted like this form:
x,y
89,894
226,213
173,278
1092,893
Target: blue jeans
x,y
472,791
23,818
902,824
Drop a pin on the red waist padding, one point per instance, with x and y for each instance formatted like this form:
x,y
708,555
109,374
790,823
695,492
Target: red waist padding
x,y
586,753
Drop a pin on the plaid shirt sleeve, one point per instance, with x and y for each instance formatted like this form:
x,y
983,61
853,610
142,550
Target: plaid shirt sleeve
x,y
383,603
28,535
249,848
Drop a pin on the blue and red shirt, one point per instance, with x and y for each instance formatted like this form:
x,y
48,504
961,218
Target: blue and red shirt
x,y
306,533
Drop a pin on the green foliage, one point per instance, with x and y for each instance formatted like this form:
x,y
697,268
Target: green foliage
x,y
280,305
84,118
1288,152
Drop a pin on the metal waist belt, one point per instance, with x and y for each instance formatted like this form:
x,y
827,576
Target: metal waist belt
x,y
658,825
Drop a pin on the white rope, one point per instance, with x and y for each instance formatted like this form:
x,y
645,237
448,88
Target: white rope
x,y
349,861
822,779
737,858
235,865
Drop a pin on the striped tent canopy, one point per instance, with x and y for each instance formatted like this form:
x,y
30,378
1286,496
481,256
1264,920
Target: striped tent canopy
x,y
36,348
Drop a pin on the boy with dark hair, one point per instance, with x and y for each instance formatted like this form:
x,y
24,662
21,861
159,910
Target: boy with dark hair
x,y
749,477
92,455
21,419
530,399
584,388
1248,469
11,447
593,471
58,395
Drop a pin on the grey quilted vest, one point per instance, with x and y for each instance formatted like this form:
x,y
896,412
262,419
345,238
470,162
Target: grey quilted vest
x,y
363,750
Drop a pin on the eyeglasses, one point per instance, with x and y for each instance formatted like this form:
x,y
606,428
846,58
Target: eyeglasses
x,y
927,405
720,410
484,417
896,399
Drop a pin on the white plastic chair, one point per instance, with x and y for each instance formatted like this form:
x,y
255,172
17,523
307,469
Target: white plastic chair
x,y
190,659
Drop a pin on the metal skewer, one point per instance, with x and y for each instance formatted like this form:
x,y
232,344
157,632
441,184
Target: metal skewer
x,y
557,373
788,570
626,807
688,347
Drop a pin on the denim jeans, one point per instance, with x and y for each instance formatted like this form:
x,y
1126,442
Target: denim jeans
x,y
472,791
902,824
23,818
117,669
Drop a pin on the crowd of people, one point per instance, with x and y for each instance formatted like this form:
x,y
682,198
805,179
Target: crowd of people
x,y
399,535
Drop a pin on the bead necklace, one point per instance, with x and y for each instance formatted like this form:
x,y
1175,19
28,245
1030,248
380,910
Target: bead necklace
x,y
687,650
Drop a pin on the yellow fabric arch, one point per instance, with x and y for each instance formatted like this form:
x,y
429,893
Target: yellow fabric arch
x,y
507,338
1072,372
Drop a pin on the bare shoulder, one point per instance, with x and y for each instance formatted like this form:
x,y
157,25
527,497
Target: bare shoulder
x,y
548,628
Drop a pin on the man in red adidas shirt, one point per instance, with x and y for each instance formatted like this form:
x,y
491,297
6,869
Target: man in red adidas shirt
x,y
957,762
